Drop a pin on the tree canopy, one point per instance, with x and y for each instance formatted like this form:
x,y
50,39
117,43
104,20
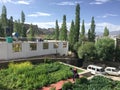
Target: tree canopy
x,y
87,50
106,32
105,48
63,31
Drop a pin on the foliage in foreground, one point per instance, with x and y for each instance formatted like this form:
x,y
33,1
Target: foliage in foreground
x,y
25,76
96,83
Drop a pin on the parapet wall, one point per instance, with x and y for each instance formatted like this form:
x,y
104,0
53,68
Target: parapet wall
x,y
18,50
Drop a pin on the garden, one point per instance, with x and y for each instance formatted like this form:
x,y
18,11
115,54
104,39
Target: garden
x,y
26,76
96,83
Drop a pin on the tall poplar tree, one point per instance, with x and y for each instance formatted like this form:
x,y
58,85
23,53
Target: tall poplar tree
x,y
106,32
15,26
1,30
71,36
19,27
63,31
10,25
31,33
23,32
92,30
89,35
82,34
77,23
57,31
22,17
4,19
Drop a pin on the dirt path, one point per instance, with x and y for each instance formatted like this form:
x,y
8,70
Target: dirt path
x,y
57,85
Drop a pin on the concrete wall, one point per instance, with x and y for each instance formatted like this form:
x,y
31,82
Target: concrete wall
x,y
7,52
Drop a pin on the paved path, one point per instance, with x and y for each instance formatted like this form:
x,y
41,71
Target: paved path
x,y
59,84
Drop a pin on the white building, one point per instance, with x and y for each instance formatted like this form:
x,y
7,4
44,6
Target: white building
x,y
16,50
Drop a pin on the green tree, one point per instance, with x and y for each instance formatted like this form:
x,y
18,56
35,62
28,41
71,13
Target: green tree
x,y
57,31
106,32
77,23
71,36
89,35
1,30
19,27
87,51
23,30
31,33
105,48
4,19
63,31
92,30
117,53
15,26
82,34
22,17
10,25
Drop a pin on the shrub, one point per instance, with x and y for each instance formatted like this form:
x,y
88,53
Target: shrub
x,y
25,76
82,80
67,86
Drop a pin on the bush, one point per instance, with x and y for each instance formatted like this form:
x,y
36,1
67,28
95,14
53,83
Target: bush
x,y
67,86
25,76
82,80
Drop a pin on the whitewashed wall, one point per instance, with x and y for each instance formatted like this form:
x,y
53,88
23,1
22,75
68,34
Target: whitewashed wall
x,y
7,53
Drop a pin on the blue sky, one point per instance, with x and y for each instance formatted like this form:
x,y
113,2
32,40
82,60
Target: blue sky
x,y
44,13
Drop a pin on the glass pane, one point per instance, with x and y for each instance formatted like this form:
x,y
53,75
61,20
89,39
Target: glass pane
x,y
56,45
45,45
17,47
33,46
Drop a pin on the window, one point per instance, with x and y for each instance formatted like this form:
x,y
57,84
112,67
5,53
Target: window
x,y
114,70
17,47
108,69
98,70
93,68
33,46
56,45
64,44
89,67
45,45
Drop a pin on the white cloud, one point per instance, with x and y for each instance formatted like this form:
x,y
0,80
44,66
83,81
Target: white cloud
x,y
37,14
44,24
4,1
25,2
99,1
68,3
100,27
110,26
107,15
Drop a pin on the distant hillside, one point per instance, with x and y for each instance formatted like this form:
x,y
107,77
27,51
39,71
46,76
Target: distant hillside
x,y
50,31
111,33
115,33
46,31
40,31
